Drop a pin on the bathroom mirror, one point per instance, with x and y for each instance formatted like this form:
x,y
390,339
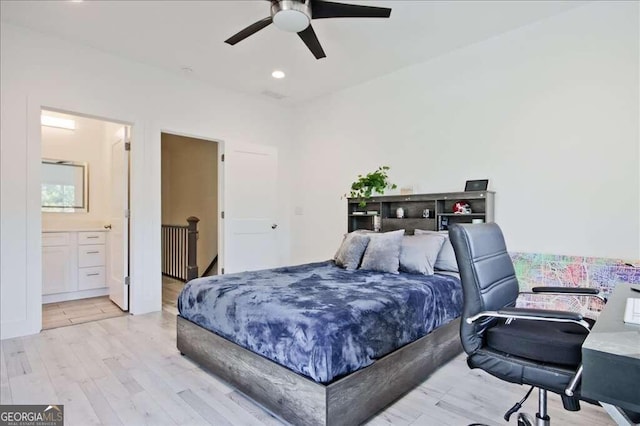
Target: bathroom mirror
x,y
64,186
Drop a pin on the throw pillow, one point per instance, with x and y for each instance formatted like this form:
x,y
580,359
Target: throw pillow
x,y
447,257
418,253
350,252
357,231
383,252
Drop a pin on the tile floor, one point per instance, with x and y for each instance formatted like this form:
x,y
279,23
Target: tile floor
x,y
72,312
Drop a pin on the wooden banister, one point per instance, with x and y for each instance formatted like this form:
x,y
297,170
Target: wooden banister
x,y
192,251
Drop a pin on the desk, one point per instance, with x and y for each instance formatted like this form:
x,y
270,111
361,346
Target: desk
x,y
611,355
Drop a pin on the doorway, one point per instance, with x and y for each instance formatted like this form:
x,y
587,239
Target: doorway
x,y
85,226
190,212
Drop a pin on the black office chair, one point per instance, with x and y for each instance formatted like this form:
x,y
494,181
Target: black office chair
x,y
540,348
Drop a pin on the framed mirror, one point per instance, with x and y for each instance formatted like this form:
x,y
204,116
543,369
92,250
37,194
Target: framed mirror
x,y
65,186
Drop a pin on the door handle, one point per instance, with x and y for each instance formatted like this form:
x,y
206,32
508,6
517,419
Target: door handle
x,y
107,226
274,226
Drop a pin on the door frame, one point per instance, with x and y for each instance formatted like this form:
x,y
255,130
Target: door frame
x,y
221,192
35,106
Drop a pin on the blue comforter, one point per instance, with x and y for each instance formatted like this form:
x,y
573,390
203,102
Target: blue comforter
x,y
320,320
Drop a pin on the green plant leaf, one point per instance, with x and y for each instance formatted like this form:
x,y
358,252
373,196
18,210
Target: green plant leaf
x,y
364,186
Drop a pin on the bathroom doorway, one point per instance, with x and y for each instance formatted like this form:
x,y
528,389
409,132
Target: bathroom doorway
x,y
85,224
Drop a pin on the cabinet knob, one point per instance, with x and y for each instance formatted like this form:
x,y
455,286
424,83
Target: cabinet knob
x,y
107,226
274,226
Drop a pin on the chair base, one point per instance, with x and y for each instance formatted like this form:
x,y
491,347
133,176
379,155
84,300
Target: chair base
x,y
525,419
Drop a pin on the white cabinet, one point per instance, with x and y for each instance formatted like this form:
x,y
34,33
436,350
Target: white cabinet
x,y
55,239
91,238
73,265
89,278
91,255
91,260
57,269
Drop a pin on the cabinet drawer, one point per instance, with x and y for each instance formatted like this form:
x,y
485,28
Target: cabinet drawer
x,y
90,256
53,239
89,278
85,238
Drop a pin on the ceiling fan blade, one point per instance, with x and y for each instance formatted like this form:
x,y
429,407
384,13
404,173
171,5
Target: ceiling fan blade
x,y
311,40
249,31
325,9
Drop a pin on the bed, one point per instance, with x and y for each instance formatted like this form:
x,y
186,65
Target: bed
x,y
317,344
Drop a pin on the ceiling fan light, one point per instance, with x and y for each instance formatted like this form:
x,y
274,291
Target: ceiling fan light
x,y
290,20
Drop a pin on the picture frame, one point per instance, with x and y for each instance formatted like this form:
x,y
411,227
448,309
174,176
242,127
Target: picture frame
x,y
476,185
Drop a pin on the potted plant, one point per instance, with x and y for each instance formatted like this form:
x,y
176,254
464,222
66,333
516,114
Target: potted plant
x,y
365,186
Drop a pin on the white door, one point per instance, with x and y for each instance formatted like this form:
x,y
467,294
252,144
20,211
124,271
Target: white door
x,y
250,182
119,234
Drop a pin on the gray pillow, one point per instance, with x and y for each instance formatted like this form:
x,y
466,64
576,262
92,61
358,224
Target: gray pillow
x,y
350,252
447,257
357,231
383,252
418,253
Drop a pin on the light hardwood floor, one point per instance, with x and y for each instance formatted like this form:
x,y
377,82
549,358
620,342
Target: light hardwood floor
x,y
127,371
171,288
62,314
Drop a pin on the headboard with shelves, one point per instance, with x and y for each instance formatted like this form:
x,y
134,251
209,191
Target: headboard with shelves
x,y
380,213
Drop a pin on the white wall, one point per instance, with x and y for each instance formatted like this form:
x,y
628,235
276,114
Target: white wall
x,y
548,112
86,144
38,70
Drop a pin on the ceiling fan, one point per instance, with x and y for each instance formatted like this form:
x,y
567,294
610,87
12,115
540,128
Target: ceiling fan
x,y
295,16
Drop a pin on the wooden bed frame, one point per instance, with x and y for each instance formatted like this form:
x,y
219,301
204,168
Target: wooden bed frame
x,y
299,400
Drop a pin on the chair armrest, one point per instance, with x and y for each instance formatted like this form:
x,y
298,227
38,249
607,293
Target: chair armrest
x,y
573,384
575,291
541,313
533,315
572,290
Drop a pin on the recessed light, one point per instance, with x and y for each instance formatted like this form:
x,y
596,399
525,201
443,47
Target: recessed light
x,y
187,70
76,1
278,74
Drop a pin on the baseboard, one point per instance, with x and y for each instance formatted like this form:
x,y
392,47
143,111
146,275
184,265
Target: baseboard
x,y
74,295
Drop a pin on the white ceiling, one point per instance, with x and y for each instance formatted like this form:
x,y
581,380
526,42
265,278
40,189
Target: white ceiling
x,y
175,34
